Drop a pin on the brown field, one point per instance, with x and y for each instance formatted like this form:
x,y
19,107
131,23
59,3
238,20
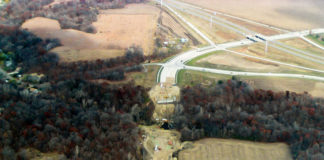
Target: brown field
x,y
116,29
216,33
303,45
277,84
289,14
228,149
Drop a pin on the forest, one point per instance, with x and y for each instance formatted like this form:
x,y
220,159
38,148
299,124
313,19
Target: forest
x,y
75,117
232,109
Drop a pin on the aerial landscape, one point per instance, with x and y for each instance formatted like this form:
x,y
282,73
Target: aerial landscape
x,y
161,80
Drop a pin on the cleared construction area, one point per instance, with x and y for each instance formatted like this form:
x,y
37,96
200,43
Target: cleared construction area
x,y
229,149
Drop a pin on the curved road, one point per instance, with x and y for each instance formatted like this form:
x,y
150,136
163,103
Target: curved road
x,y
171,67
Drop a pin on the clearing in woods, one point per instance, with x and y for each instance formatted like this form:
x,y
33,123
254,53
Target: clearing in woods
x,y
229,149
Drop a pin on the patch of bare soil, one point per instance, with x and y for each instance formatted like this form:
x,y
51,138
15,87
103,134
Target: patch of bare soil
x,y
165,92
229,149
160,143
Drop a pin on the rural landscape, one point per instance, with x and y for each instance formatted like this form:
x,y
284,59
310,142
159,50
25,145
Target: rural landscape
x,y
161,80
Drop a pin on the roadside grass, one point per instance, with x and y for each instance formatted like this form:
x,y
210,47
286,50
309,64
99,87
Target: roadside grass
x,y
173,56
313,38
303,46
146,79
158,75
194,61
192,78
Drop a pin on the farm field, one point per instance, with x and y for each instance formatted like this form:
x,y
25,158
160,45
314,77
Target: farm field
x,y
117,29
276,84
218,149
288,14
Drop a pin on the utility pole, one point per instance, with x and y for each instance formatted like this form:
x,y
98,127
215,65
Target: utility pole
x,y
161,4
211,21
266,47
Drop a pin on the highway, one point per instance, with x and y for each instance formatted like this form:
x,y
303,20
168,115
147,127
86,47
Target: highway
x,y
189,9
171,67
179,3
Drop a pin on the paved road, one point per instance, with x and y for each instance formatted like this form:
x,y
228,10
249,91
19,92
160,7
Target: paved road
x,y
188,9
171,68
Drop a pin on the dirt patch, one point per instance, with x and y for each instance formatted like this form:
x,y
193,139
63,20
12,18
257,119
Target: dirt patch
x,y
116,29
290,14
217,149
166,141
165,92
